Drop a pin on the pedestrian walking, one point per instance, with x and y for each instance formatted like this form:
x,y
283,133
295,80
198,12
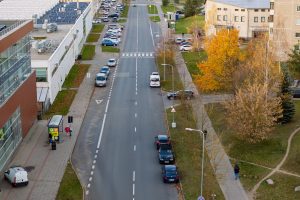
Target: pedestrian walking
x,y
236,171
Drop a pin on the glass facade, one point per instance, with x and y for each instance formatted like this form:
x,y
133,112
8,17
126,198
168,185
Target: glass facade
x,y
10,137
41,74
15,67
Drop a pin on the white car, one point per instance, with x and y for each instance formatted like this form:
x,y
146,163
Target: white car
x,y
154,79
186,47
112,62
16,176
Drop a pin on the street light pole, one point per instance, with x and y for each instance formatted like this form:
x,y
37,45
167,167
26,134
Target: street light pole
x,y
204,132
173,110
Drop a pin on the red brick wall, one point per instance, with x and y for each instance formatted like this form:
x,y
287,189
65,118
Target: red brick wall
x,y
25,97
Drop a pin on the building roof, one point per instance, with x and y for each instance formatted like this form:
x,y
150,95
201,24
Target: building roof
x,y
246,3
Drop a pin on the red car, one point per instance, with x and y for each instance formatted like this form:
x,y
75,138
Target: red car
x,y
162,140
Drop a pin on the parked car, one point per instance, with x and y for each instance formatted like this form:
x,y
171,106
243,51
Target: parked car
x,y
105,70
185,43
113,15
105,19
17,176
96,21
187,94
165,155
169,174
112,62
179,40
109,42
186,47
100,80
162,140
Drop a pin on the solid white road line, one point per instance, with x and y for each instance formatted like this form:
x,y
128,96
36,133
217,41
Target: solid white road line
x,y
101,132
133,189
134,148
107,106
151,34
133,176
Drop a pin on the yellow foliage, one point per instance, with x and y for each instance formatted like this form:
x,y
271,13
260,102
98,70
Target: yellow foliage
x,y
223,57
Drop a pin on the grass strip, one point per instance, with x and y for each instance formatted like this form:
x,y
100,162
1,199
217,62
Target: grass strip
x,y
92,37
97,28
192,59
70,188
152,9
155,18
183,24
76,75
125,12
88,52
110,49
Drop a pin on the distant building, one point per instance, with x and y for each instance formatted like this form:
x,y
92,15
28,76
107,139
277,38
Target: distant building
x,y
18,108
285,26
249,17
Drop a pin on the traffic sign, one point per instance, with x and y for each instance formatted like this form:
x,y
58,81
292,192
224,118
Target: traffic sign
x,y
173,110
200,198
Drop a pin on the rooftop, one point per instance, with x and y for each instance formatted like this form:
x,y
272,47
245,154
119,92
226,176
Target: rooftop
x,y
52,41
246,3
8,25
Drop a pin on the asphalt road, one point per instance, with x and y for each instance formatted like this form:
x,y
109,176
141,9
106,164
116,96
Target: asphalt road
x,y
115,154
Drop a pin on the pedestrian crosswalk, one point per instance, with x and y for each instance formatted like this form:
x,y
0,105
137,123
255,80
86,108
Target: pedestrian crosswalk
x,y
138,54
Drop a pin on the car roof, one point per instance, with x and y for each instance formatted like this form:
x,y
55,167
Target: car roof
x,y
170,167
112,59
162,137
100,74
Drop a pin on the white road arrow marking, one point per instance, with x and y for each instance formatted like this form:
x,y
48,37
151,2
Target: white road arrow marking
x,y
98,101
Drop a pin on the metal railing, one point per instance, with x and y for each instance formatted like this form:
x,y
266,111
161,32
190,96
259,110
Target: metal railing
x,y
6,30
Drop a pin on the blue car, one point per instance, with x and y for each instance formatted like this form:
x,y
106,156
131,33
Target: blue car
x,y
108,42
105,70
169,174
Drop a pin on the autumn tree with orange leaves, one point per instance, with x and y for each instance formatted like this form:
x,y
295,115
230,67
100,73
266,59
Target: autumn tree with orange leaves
x,y
223,58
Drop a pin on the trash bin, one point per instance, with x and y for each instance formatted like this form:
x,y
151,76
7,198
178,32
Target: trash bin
x,y
53,145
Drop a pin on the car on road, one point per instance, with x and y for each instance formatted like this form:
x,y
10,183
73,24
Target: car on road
x,y
169,174
105,70
154,79
109,42
16,176
186,47
186,94
100,80
112,62
162,140
165,155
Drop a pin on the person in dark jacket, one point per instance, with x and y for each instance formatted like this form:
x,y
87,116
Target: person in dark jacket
x,y
236,171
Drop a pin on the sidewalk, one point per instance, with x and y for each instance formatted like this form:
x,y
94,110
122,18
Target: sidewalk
x,y
232,189
45,166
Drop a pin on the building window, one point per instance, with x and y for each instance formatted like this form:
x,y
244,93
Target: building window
x,y
243,10
263,19
263,10
255,19
298,8
236,9
225,18
272,5
219,17
219,8
271,30
242,18
225,9
298,22
41,74
236,18
297,35
271,18
256,10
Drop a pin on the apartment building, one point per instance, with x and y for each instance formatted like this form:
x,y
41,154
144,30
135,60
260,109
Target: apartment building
x,y
18,105
249,17
285,26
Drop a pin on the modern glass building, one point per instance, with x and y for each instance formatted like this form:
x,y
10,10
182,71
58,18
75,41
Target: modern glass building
x,y
18,105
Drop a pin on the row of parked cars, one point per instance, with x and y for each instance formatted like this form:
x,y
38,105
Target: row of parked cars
x,y
167,158
110,11
185,44
104,72
112,36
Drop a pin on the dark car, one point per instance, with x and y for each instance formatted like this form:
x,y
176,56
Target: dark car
x,y
113,15
162,140
186,94
165,156
169,174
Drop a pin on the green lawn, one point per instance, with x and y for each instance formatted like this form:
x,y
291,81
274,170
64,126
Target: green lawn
x,y
122,21
192,59
268,153
76,75
152,9
110,49
155,18
283,188
88,52
125,12
61,103
187,148
92,37
184,23
97,28
168,8
70,188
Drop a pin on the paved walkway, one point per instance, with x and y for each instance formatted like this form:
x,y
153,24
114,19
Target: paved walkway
x,y
232,189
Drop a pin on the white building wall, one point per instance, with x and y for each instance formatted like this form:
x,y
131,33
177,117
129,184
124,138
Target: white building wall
x,y
63,58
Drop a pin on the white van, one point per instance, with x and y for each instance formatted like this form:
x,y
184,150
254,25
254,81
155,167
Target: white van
x,y
100,80
16,176
154,79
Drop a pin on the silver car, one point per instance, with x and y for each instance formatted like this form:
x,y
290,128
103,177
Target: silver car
x,y
112,62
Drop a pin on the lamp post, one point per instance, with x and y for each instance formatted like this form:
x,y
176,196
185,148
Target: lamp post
x,y
204,133
173,109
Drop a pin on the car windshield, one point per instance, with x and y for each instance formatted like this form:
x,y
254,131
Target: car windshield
x,y
100,78
165,151
171,173
111,60
154,79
